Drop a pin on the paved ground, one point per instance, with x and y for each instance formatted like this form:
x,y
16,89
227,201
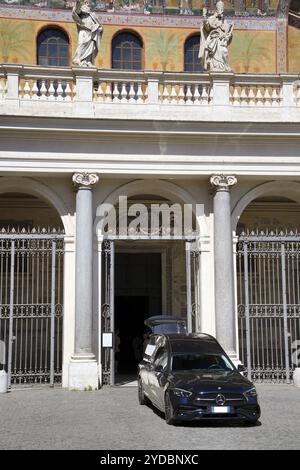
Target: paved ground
x,y
112,419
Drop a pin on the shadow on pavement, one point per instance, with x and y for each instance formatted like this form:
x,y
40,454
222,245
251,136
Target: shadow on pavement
x,y
206,422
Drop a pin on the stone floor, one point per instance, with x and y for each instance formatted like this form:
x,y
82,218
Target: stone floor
x,y
112,419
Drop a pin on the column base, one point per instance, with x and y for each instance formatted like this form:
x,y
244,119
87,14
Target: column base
x,y
296,377
83,374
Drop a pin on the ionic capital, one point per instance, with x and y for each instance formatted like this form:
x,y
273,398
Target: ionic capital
x,y
222,182
85,179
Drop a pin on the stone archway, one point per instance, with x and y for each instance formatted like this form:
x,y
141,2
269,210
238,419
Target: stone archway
x,y
33,221
268,267
179,261
288,189
40,190
163,188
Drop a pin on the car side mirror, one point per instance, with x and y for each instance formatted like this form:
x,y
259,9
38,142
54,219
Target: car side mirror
x,y
241,368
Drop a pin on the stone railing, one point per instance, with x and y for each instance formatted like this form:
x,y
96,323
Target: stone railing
x,y
37,83
256,91
120,87
90,92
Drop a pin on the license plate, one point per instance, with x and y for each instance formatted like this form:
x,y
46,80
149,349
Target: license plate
x,y
220,409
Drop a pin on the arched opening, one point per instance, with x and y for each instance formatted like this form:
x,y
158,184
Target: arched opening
x,y
26,211
53,47
268,289
152,273
191,51
31,290
127,51
270,213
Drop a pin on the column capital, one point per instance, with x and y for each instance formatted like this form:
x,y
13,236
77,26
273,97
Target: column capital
x,y
84,179
222,182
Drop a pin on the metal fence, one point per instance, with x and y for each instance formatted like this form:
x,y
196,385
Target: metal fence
x,y
31,310
268,275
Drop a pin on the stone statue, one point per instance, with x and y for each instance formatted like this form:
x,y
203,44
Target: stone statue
x,y
215,36
89,34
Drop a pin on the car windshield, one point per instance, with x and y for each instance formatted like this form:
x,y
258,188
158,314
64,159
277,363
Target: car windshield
x,y
201,361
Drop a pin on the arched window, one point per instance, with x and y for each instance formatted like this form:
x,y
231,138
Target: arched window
x,y
191,51
127,52
53,48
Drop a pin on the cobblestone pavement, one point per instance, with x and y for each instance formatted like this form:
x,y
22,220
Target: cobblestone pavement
x,y
112,419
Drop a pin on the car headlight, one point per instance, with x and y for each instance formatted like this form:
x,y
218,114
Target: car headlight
x,y
251,393
179,392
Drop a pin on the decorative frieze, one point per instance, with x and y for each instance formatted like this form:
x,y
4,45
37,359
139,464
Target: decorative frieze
x,y
123,19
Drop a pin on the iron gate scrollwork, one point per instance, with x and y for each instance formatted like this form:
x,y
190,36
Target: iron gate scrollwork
x,y
192,277
268,275
107,309
31,311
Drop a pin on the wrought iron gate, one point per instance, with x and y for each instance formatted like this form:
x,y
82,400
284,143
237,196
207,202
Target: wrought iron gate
x,y
268,284
31,282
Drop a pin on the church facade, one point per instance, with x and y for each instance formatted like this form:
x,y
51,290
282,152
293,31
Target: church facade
x,y
85,151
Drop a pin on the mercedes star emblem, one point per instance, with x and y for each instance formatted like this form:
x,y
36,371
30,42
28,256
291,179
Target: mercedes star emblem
x,y
220,400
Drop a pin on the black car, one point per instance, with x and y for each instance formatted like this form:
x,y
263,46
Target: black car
x,y
190,377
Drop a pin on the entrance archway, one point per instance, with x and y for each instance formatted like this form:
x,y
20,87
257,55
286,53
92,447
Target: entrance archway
x,y
142,275
31,289
268,292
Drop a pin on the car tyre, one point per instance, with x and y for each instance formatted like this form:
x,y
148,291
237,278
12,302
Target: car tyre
x,y
169,416
143,400
251,423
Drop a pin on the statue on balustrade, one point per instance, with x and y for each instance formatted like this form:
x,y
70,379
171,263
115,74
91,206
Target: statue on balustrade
x,y
215,37
89,34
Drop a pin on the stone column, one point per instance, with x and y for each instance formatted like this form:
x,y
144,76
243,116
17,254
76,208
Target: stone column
x,y
83,371
223,264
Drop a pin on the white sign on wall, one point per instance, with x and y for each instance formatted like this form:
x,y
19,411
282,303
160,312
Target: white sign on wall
x,y
107,340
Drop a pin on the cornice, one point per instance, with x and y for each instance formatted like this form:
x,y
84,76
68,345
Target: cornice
x,y
112,127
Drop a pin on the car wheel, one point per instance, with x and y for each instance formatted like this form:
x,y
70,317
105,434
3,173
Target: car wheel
x,y
143,400
169,416
251,423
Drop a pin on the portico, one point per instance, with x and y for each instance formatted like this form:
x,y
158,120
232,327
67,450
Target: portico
x,y
217,158
83,370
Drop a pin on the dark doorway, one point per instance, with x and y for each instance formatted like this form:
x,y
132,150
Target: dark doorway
x,y
130,330
138,296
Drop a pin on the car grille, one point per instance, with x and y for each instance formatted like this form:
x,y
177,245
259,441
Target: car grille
x,y
211,397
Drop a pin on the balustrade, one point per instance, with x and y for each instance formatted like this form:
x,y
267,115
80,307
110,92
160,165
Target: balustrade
x,y
94,90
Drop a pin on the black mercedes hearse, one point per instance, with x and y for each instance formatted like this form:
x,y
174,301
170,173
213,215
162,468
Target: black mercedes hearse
x,y
190,377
